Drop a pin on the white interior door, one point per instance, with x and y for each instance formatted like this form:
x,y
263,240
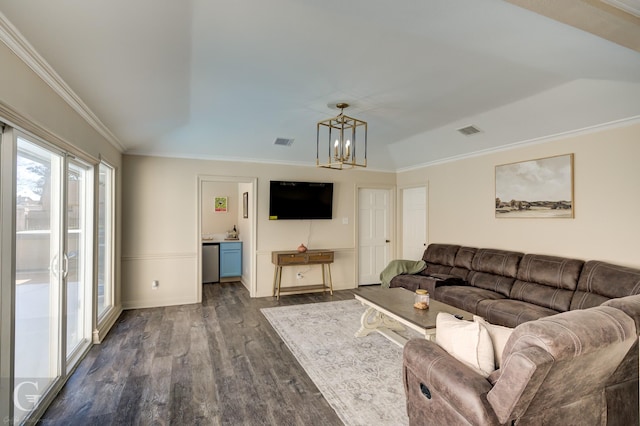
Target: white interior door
x,y
414,222
374,233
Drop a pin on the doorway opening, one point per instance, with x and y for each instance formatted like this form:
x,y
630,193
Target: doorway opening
x,y
240,210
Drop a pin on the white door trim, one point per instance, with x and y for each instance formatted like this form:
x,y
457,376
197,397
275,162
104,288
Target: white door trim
x,y
249,240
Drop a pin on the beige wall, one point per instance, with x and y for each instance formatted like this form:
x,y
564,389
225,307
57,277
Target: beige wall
x,y
160,233
26,94
161,238
28,103
220,223
607,199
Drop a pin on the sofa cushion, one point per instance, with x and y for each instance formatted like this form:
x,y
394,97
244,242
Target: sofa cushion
x,y
499,336
547,281
414,282
497,283
461,273
497,262
630,305
435,268
559,334
439,258
462,263
467,341
511,313
552,271
441,254
464,257
464,297
601,281
542,295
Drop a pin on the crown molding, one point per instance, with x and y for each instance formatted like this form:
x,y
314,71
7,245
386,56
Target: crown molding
x,y
15,41
534,141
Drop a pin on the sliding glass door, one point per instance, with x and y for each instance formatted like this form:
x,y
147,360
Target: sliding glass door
x,y
39,273
78,256
53,268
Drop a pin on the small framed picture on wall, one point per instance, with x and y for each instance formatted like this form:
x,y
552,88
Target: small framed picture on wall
x,y
245,205
220,204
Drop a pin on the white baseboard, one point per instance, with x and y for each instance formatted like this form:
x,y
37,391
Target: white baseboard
x,y
101,331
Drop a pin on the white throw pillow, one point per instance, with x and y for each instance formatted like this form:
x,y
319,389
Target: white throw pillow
x,y
467,341
499,336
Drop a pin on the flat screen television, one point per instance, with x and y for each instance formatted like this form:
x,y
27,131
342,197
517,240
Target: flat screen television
x,y
300,200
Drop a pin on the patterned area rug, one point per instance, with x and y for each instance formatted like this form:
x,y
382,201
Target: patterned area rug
x,y
360,377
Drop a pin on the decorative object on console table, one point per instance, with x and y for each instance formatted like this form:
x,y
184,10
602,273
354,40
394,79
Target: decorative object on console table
x,y
294,258
541,188
302,248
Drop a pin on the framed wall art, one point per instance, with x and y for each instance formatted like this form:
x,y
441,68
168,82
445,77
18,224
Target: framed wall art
x,y
541,188
245,205
220,204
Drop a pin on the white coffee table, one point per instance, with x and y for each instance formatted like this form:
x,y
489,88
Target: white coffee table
x,y
391,309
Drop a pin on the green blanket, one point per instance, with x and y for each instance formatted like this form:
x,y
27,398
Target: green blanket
x,y
400,266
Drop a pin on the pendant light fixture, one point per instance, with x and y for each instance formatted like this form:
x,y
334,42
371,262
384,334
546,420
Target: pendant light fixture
x,y
339,140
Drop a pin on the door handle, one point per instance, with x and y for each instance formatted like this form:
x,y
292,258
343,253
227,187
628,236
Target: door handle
x,y
65,263
54,267
387,241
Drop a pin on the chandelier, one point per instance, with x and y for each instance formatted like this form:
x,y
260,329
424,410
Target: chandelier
x,y
342,141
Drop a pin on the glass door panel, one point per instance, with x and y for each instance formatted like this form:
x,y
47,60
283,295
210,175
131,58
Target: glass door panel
x,y
38,272
105,238
77,265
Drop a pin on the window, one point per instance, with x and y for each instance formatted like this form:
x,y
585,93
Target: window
x,y
105,239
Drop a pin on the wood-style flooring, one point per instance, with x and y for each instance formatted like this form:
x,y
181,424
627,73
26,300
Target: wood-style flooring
x,y
215,363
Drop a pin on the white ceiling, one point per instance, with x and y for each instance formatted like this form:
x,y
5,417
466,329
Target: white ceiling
x,y
224,79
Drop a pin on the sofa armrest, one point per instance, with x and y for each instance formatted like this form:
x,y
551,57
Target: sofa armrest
x,y
437,384
523,373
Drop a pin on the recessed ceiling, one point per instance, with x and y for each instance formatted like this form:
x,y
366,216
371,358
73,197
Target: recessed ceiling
x,y
224,79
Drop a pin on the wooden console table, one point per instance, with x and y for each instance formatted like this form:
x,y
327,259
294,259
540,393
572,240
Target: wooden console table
x,y
294,258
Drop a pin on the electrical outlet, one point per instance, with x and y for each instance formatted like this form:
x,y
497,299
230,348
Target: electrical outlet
x,y
299,276
155,284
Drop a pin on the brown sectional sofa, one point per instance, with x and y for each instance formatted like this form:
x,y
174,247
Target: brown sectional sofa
x,y
511,288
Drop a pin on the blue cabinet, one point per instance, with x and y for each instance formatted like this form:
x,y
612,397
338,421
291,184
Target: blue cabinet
x,y
230,259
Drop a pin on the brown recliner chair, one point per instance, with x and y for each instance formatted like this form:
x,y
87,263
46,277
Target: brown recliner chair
x,y
555,371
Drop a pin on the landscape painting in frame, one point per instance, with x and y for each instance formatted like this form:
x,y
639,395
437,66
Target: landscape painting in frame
x,y
540,188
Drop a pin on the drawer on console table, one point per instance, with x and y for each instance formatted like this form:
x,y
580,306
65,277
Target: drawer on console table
x,y
283,258
320,257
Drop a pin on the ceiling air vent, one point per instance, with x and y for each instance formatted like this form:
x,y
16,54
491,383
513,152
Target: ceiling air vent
x,y
283,142
469,130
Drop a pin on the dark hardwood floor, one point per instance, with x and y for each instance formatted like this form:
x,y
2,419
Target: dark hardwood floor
x,y
218,363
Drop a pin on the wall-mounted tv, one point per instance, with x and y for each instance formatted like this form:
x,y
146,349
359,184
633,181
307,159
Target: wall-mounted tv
x,y
300,200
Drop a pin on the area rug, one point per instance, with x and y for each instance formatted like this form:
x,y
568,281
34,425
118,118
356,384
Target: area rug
x,y
361,378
